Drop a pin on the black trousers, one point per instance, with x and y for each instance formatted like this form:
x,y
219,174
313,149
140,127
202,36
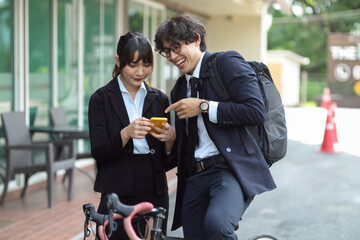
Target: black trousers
x,y
213,204
144,191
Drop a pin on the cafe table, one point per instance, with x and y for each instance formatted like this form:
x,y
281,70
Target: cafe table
x,y
74,132
65,132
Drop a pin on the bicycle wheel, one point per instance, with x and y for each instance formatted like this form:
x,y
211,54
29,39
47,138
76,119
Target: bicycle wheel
x,y
263,237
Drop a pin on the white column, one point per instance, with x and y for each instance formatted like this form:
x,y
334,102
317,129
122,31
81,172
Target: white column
x,y
54,54
101,42
21,57
80,54
120,18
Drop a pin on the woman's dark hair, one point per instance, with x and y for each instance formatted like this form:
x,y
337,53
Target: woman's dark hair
x,y
127,46
178,28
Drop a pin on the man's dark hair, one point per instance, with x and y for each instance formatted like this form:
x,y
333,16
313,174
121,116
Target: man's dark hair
x,y
179,28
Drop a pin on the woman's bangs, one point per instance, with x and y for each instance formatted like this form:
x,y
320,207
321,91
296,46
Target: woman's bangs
x,y
145,53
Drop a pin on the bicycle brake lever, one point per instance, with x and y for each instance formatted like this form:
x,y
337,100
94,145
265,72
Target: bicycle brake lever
x,y
113,203
87,208
87,220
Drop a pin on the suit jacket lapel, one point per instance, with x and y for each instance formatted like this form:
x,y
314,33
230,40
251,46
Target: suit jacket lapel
x,y
203,79
117,102
179,90
178,93
149,99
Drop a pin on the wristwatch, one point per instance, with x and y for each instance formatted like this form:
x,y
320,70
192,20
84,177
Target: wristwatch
x,y
204,106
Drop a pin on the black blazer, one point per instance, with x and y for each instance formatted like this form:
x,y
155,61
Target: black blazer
x,y
247,108
107,116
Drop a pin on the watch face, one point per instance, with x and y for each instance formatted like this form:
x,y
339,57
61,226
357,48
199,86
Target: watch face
x,y
204,106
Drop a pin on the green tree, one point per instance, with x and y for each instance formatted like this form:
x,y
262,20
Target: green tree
x,y
307,34
305,31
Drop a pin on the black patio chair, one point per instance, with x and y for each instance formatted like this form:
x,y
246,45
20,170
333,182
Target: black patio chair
x,y
58,118
19,160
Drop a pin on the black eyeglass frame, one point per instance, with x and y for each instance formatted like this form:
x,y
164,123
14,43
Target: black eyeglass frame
x,y
166,52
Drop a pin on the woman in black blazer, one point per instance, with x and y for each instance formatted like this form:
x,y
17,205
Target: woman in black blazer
x,y
131,162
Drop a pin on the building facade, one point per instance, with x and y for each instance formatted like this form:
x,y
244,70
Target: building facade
x,y
58,52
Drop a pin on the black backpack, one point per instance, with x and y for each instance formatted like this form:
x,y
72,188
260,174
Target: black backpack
x,y
272,135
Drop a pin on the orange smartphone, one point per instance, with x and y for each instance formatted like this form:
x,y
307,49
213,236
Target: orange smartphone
x,y
157,121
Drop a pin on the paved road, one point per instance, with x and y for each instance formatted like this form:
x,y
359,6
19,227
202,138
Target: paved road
x,y
318,194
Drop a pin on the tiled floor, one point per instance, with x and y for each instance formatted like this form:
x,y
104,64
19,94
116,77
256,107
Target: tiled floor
x,y
29,218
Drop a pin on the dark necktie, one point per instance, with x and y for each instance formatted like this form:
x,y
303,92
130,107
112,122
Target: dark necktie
x,y
192,132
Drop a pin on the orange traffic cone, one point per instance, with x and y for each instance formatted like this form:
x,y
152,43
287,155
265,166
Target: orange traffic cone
x,y
326,98
333,105
330,136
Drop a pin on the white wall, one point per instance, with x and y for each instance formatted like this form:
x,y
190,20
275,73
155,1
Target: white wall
x,y
290,75
290,80
242,34
291,83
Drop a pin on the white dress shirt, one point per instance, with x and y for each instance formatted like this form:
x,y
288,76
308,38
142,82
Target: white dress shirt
x,y
206,147
134,109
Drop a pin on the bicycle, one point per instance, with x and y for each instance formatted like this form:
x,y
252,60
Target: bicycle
x,y
117,210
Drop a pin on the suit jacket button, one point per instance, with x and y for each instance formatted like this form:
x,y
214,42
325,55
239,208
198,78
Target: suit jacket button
x,y
228,149
152,151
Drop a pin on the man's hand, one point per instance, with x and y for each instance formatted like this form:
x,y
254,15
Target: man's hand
x,y
186,108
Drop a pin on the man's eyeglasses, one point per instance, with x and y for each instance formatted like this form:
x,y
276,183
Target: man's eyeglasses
x,y
176,48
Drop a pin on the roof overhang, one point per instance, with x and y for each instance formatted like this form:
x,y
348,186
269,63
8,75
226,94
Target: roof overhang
x,y
213,8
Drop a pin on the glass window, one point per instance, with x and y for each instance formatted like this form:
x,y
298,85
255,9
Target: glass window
x,y
7,54
100,47
110,40
164,74
136,16
39,59
67,59
6,65
92,50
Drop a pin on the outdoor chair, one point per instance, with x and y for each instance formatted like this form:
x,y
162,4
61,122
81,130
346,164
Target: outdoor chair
x,y
19,160
58,118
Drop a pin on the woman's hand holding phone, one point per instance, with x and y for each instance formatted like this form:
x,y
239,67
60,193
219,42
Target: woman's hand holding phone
x,y
158,122
163,131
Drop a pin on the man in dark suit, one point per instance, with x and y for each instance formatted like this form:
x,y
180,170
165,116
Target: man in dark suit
x,y
217,178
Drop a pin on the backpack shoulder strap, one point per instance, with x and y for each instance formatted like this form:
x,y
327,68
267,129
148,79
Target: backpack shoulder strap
x,y
214,77
218,85
262,68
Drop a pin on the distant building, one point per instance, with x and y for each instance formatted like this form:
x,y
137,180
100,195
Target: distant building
x,y
285,67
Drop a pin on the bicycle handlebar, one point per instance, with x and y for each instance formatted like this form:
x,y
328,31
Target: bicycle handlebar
x,y
118,210
113,203
100,219
143,207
